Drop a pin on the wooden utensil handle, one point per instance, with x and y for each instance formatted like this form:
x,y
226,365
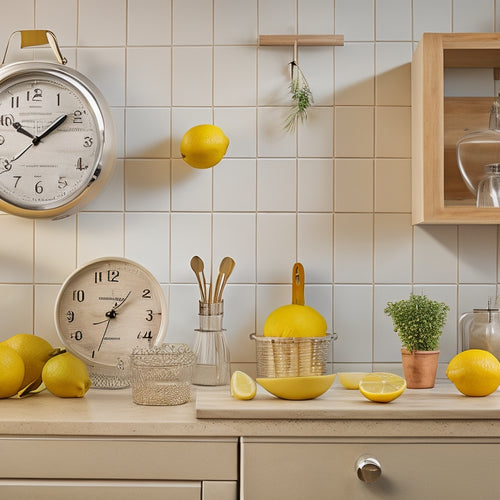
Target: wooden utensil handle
x,y
298,284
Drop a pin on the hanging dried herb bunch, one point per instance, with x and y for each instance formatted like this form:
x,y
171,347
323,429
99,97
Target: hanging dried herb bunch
x,y
301,96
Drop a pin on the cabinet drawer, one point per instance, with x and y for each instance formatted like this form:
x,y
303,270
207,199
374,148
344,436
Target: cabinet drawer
x,y
110,490
410,470
100,458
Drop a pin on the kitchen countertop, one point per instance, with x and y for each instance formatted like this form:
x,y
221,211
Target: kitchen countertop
x,y
439,412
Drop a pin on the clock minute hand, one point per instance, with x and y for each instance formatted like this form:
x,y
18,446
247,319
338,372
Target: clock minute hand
x,y
56,123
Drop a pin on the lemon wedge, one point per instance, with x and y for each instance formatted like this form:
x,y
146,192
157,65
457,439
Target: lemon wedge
x,y
297,387
242,386
382,387
350,380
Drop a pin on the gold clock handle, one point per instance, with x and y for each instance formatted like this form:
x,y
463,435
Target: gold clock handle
x,y
34,38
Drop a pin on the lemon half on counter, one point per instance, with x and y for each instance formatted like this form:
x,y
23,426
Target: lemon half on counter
x,y
297,388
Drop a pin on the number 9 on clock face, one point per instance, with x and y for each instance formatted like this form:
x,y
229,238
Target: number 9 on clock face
x,y
106,308
57,144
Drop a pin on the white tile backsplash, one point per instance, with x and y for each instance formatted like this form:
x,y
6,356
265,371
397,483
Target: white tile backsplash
x,y
335,194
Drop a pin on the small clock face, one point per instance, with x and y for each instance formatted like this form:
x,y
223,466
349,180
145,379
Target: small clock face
x,y
107,307
50,140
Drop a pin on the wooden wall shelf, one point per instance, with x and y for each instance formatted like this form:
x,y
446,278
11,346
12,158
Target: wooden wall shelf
x,y
439,196
301,40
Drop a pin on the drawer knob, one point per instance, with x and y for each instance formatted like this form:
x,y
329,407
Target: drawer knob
x,y
368,469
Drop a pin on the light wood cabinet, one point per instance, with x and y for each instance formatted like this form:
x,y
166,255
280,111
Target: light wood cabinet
x,y
438,193
323,469
124,468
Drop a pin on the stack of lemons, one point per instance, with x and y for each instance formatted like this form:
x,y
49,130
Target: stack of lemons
x,y
27,361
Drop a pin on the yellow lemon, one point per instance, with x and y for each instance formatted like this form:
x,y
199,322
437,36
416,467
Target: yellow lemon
x,y
295,320
203,146
66,376
242,386
297,388
350,380
11,371
474,372
34,351
382,387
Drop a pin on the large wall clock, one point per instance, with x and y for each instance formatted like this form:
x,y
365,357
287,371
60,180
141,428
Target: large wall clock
x,y
57,138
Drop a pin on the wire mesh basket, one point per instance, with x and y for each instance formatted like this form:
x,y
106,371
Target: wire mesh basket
x,y
292,356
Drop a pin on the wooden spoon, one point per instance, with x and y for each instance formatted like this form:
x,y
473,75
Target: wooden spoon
x,y
198,267
226,268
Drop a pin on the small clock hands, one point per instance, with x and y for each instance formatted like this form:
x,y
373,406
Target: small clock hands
x,y
37,138
110,315
22,130
56,123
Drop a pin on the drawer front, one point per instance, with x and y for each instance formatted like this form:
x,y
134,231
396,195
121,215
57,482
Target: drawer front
x,y
110,490
322,471
215,459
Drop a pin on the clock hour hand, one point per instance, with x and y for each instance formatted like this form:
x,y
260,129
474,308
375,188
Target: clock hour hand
x,y
56,123
22,130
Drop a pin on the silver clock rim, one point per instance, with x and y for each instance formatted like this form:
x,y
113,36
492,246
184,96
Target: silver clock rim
x,y
102,113
162,330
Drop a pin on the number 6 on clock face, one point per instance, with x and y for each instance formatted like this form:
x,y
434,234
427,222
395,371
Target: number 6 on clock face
x,y
57,140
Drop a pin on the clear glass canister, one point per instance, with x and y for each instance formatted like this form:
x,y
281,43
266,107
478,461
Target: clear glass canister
x,y
161,375
488,189
213,364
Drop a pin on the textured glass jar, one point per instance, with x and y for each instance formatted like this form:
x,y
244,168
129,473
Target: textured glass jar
x,y
161,375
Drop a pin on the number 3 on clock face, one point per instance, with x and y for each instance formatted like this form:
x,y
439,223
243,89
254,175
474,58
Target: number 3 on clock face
x,y
57,144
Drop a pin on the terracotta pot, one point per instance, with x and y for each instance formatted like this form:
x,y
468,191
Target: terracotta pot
x,y
420,368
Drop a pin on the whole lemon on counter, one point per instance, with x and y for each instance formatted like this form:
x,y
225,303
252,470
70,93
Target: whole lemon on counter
x,y
295,320
203,146
66,376
35,352
11,371
474,372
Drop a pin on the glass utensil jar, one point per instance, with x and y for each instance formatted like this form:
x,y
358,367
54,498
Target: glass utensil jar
x,y
488,189
212,360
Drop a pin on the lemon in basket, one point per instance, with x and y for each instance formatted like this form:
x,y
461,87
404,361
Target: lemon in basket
x,y
295,319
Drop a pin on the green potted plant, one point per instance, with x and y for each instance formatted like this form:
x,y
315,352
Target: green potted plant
x,y
419,323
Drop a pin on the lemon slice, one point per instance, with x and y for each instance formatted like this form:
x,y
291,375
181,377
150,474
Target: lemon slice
x,y
382,387
350,380
242,386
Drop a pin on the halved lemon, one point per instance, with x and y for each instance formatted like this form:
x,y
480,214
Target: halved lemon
x,y
350,380
382,387
297,387
242,386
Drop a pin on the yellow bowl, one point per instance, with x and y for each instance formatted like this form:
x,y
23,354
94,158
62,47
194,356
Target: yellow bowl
x,y
297,387
350,380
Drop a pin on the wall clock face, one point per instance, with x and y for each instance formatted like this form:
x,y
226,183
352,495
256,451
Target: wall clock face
x,y
57,141
106,308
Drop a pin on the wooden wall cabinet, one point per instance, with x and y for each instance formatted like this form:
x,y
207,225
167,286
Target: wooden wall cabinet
x,y
439,195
